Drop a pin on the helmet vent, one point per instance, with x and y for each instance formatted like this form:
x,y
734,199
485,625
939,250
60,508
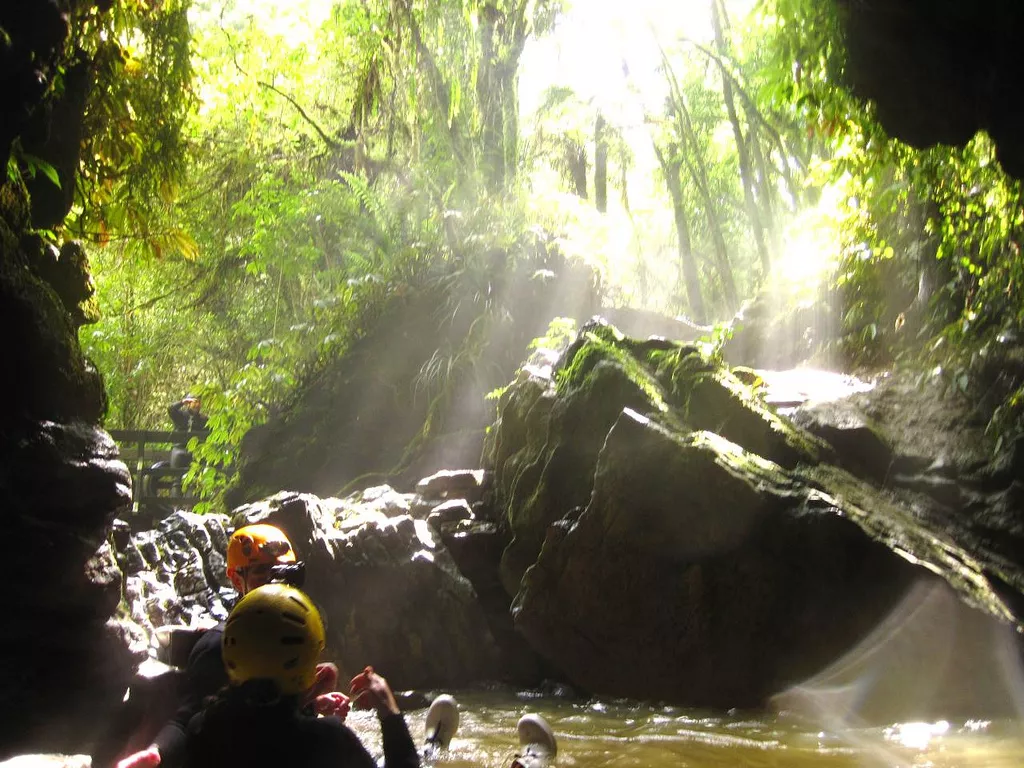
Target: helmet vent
x,y
299,603
294,618
292,640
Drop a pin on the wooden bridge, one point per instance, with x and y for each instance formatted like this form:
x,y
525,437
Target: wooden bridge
x,y
155,483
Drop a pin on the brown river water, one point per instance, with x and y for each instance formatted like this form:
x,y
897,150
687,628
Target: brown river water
x,y
596,733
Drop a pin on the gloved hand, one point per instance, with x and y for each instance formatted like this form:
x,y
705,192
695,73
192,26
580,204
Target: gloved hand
x,y
333,704
370,690
147,758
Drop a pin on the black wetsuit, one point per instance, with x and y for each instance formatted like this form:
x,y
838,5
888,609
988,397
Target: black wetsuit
x,y
233,732
204,676
185,420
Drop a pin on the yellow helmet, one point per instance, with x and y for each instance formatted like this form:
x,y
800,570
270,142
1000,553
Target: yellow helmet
x,y
274,633
254,549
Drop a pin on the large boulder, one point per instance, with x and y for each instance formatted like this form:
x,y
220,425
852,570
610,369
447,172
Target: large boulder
x,y
700,574
676,539
552,424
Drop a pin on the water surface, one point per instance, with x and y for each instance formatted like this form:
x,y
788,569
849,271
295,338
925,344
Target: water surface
x,y
596,734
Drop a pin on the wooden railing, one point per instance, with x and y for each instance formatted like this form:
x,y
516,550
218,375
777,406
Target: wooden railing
x,y
140,450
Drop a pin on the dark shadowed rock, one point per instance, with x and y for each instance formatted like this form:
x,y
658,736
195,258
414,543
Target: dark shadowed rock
x,y
939,72
697,575
448,512
61,485
67,271
857,442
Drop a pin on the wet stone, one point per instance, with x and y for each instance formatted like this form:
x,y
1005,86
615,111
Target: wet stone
x,y
450,512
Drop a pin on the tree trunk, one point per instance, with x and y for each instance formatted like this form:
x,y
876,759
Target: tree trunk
x,y
721,250
741,145
439,87
698,172
576,162
488,91
600,165
670,168
623,185
766,192
501,36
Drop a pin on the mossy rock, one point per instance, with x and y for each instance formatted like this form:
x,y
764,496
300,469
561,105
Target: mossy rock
x,y
697,574
544,458
45,364
703,575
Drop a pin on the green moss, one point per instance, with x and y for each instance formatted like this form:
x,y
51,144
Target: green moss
x,y
601,343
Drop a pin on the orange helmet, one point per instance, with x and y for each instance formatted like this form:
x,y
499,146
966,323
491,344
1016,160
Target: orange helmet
x,y
253,549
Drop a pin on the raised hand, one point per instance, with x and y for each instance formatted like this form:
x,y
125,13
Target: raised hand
x,y
370,690
147,758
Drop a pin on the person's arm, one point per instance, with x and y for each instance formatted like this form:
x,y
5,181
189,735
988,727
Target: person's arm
x,y
178,416
204,676
399,749
371,690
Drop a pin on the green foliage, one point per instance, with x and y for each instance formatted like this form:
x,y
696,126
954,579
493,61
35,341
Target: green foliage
x,y
133,151
258,199
24,162
561,331
932,268
712,343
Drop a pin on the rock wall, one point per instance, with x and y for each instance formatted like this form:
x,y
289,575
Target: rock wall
x,y
940,72
63,664
61,484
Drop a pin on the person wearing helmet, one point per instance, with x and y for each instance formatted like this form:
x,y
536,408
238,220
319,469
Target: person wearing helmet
x,y
271,644
257,555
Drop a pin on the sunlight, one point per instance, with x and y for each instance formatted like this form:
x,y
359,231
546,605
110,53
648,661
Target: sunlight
x,y
916,735
603,49
932,654
295,22
810,249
